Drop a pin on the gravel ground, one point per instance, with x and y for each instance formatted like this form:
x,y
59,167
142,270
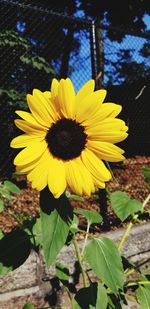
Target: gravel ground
x,y
127,177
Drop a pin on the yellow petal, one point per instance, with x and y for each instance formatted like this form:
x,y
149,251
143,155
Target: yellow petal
x,y
56,177
111,130
54,88
27,167
30,153
25,140
108,136
47,94
86,89
31,165
78,177
44,105
54,98
30,128
39,175
108,124
106,151
29,118
106,110
96,167
41,108
90,105
66,97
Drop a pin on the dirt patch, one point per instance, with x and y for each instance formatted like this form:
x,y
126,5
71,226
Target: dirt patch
x,y
127,177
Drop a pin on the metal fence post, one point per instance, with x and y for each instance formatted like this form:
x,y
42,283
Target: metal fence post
x,y
96,54
97,75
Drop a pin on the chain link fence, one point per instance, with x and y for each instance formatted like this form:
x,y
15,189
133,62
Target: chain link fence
x,y
37,44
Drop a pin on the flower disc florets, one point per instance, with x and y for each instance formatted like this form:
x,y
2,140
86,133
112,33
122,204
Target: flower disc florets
x,y
66,139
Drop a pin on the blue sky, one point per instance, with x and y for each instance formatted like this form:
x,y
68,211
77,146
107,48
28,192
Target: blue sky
x,y
80,64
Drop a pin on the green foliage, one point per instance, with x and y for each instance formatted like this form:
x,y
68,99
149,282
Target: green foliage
x,y
4,269
13,39
37,63
2,206
143,297
114,302
91,216
10,186
7,189
15,248
106,264
74,225
93,297
56,219
124,206
54,232
23,50
102,298
28,306
37,232
62,273
1,234
14,97
146,172
74,197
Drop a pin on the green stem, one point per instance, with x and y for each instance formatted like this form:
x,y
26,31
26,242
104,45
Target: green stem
x,y
68,292
146,201
138,282
79,257
127,230
89,235
85,240
130,271
70,296
111,172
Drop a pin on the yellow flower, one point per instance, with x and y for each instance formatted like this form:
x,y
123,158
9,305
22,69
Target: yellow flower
x,y
66,137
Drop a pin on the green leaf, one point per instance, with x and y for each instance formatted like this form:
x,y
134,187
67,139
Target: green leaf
x,y
5,194
145,278
92,297
85,298
1,205
76,197
106,263
11,186
15,248
56,218
74,225
114,302
54,235
102,298
28,306
4,269
91,216
146,172
1,234
123,206
62,272
37,232
143,297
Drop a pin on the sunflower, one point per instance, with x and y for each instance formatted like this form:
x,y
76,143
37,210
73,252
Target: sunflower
x,y
66,137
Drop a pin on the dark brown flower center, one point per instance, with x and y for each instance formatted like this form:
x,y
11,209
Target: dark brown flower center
x,y
66,139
